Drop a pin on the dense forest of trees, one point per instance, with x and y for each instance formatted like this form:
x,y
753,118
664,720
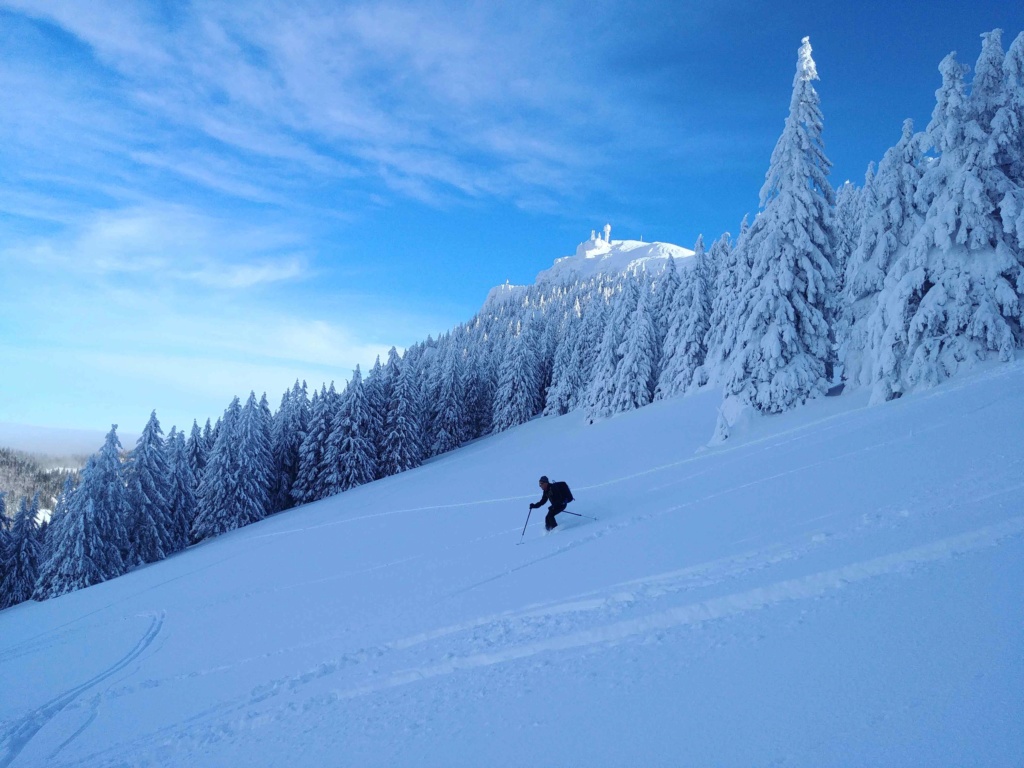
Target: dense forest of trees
x,y
893,286
25,474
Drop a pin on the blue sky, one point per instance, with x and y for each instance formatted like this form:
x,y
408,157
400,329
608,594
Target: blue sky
x,y
199,199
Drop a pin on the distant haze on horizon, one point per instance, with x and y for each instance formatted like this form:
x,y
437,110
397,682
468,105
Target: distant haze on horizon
x,y
202,201
51,441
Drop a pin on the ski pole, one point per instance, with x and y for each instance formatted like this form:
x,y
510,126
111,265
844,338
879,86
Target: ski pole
x,y
526,524
578,514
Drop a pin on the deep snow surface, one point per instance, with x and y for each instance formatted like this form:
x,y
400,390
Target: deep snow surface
x,y
838,586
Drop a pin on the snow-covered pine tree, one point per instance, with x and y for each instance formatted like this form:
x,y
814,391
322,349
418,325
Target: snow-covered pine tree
x,y
310,449
533,337
197,451
5,525
665,288
515,399
564,375
950,298
685,343
310,483
1006,151
376,408
148,477
403,447
450,419
636,372
349,455
601,390
785,352
548,327
182,494
267,419
218,509
997,107
35,507
849,214
79,551
891,217
586,346
385,394
56,530
731,275
255,461
481,381
288,430
718,258
88,532
1007,147
210,434
424,359
21,557
362,452
103,481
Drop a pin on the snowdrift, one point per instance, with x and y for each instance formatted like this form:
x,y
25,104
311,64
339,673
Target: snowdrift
x,y
839,585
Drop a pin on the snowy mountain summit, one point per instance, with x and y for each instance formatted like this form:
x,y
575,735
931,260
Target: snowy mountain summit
x,y
600,255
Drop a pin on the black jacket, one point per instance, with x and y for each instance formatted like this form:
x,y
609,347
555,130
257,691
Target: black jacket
x,y
557,493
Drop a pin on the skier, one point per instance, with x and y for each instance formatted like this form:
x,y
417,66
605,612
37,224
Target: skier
x,y
558,494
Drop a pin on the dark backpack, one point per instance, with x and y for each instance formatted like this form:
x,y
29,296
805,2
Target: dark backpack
x,y
561,490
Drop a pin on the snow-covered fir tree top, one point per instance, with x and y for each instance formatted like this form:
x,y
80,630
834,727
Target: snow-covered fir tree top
x,y
600,255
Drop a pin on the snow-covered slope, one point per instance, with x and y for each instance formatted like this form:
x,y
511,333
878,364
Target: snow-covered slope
x,y
839,585
600,257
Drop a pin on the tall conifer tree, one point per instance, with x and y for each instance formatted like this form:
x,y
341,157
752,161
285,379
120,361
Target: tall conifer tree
x,y
197,451
148,477
105,484
350,456
785,350
601,390
255,461
450,423
890,219
950,298
687,338
515,400
289,428
403,447
182,494
21,558
635,374
219,509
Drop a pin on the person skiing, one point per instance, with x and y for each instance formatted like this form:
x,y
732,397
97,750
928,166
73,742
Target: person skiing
x,y
558,494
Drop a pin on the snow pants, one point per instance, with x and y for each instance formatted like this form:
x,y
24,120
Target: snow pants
x,y
549,521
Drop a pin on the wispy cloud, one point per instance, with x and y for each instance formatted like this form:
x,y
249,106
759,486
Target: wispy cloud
x,y
168,243
248,275
453,99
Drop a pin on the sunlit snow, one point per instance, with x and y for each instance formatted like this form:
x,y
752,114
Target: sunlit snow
x,y
839,585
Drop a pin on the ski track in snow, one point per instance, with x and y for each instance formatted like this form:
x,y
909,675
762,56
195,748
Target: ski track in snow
x,y
528,632
58,634
625,612
812,586
16,736
676,480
